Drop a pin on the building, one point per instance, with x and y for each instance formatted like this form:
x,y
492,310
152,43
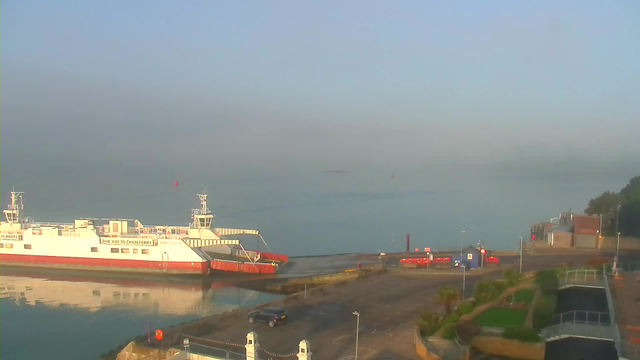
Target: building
x,y
471,257
586,231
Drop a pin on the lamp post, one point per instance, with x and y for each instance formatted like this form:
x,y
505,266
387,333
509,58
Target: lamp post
x,y
461,242
357,314
464,280
520,255
618,247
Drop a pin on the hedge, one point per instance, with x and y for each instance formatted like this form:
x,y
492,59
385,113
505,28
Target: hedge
x,y
548,282
543,311
521,333
449,331
464,308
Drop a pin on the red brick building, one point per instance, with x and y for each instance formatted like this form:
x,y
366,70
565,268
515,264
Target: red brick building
x,y
586,230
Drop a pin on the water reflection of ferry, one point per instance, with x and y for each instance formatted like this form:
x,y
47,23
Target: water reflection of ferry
x,y
146,294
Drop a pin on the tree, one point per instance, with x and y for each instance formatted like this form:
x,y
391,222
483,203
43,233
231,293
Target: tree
x,y
447,295
485,291
604,204
630,208
607,206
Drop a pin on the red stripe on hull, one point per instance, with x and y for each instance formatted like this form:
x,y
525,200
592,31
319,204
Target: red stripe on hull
x,y
170,267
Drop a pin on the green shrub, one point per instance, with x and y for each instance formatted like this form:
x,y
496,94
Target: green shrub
x,y
543,311
548,282
512,277
464,308
500,285
449,331
485,291
428,323
521,333
453,318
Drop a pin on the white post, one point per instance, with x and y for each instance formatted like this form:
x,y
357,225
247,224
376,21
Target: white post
x,y
186,347
252,346
304,350
357,314
618,247
461,242
305,291
520,255
464,281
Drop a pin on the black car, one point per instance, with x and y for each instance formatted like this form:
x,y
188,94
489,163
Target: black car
x,y
271,315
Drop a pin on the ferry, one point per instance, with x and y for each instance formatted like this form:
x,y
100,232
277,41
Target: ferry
x,y
127,245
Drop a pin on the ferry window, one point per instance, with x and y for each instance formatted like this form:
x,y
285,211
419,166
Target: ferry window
x,y
125,251
27,246
1,246
145,251
9,246
135,251
115,250
94,249
96,292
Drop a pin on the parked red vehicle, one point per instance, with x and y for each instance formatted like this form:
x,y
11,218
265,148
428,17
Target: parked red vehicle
x,y
492,260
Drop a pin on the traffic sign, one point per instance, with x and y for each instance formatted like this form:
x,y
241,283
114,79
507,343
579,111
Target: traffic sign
x,y
159,334
483,251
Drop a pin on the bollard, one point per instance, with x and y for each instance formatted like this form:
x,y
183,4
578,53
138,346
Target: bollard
x,y
304,350
252,346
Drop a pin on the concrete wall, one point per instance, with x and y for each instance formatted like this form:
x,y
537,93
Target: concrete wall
x,y
562,239
509,348
626,243
421,348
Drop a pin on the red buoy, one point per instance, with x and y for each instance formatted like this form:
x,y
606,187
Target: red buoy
x,y
176,183
159,334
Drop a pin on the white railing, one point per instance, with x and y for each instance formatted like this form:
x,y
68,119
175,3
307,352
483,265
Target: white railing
x,y
582,277
612,312
579,329
584,317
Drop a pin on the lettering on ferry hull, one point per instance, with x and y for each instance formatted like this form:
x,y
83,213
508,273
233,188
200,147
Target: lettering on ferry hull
x,y
128,242
13,237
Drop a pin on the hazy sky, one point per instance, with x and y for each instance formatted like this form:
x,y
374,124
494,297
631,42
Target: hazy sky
x,y
273,89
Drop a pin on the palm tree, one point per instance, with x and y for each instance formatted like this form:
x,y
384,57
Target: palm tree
x,y
447,295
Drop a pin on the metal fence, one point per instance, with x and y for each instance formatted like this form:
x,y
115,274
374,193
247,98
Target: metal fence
x,y
579,329
215,352
629,266
582,277
583,317
628,350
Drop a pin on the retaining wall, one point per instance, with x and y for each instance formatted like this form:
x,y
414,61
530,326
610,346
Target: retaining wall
x,y
509,348
626,243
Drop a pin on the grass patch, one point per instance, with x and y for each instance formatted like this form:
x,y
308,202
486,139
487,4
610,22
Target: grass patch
x,y
525,295
501,317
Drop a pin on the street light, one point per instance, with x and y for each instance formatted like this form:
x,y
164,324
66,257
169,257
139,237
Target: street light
x,y
461,242
464,280
520,255
357,331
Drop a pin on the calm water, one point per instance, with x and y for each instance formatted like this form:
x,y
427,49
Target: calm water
x,y
75,316
307,211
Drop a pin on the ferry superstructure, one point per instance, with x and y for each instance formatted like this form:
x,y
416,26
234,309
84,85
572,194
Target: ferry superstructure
x,y
119,244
